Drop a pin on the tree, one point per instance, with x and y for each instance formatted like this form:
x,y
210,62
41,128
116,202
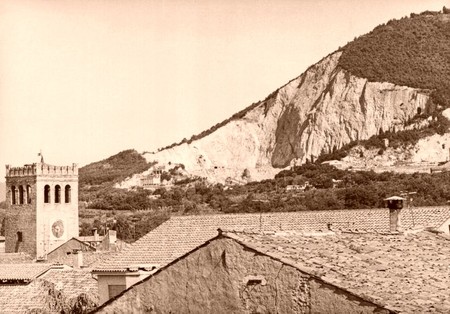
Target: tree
x,y
246,174
2,229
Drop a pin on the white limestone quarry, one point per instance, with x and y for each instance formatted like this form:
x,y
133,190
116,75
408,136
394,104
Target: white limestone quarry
x,y
211,158
433,149
429,152
324,108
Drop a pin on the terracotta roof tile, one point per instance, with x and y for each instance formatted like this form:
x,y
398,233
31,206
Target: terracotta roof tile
x,y
36,297
90,238
181,234
16,258
22,272
72,282
405,273
22,298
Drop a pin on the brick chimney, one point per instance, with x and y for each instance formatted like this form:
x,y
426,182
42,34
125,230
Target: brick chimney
x,y
96,238
77,258
112,235
395,205
109,241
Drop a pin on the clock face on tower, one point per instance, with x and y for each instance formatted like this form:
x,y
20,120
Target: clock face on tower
x,y
58,228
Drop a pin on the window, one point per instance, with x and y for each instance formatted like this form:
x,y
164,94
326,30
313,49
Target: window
x,y
114,290
13,195
28,194
67,195
19,236
21,195
47,194
57,194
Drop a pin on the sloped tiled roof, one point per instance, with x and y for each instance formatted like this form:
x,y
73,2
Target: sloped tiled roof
x,y
92,258
22,272
16,258
180,234
73,282
81,243
55,291
91,238
405,273
22,298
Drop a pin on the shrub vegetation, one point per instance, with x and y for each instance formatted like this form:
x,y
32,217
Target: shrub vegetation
x,y
113,169
411,51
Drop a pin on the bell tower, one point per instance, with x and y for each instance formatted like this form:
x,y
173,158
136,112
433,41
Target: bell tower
x,y
42,207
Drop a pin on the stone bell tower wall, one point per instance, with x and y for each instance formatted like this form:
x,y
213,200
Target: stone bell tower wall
x,y
20,222
39,197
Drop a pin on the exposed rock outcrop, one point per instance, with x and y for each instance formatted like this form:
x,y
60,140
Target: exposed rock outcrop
x,y
324,108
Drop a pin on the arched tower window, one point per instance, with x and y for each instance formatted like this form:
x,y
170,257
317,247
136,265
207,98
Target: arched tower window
x,y
419,110
28,194
47,194
21,195
13,195
57,194
67,193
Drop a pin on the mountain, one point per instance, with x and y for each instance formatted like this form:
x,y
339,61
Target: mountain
x,y
395,77
112,169
97,179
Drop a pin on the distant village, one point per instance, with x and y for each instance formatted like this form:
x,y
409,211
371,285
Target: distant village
x,y
160,176
386,260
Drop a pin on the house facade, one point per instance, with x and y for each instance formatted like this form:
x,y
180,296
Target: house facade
x,y
299,272
180,234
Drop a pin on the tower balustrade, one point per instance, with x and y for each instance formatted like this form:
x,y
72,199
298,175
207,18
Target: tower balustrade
x,y
41,169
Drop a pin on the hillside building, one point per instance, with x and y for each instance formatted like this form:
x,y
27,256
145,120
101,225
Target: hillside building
x,y
42,207
151,181
298,187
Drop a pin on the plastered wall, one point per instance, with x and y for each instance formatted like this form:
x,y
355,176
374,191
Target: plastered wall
x,y
226,277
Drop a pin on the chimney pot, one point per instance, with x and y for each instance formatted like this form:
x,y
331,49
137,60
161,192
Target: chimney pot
x,y
395,205
96,235
112,234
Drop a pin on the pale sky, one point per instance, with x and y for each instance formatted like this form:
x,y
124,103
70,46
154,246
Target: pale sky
x,y
82,80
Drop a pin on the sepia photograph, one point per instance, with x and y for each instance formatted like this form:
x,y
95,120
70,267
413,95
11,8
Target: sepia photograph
x,y
239,156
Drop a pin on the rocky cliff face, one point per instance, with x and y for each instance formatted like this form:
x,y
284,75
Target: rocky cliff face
x,y
322,109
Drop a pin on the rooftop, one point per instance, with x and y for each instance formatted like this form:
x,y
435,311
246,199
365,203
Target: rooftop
x,y
181,234
16,258
57,291
90,238
22,272
41,169
406,273
73,282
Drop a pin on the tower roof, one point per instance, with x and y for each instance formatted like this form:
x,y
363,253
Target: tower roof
x,y
41,169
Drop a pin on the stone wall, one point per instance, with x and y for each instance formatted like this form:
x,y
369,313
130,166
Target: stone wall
x,y
33,217
116,279
49,213
226,277
21,218
64,253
